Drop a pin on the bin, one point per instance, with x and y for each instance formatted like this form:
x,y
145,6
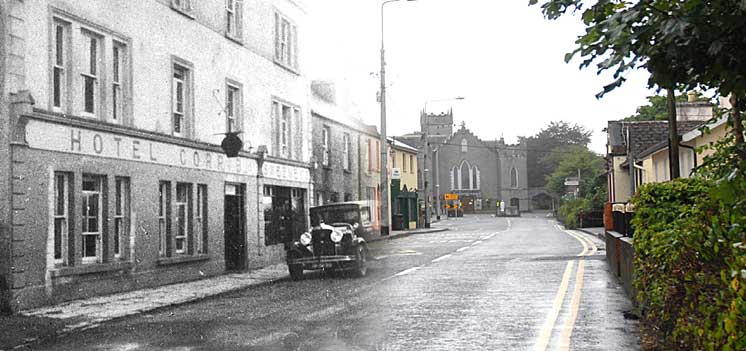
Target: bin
x,y
397,221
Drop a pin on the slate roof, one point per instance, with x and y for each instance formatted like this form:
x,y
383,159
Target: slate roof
x,y
644,134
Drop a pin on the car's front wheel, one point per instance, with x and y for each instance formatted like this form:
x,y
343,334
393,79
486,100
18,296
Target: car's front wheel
x,y
361,264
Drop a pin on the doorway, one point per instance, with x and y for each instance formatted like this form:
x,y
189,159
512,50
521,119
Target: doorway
x,y
234,227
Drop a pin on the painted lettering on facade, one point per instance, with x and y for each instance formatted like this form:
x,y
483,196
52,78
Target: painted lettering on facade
x,y
60,138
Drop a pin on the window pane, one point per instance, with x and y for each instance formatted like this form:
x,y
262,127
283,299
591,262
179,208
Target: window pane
x,y
118,197
115,63
59,228
118,229
89,245
93,56
59,185
59,45
85,213
88,88
57,87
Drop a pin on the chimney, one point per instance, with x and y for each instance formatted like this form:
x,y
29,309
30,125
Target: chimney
x,y
693,110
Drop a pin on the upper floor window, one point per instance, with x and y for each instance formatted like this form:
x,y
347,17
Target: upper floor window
x,y
285,42
180,99
233,18
286,120
370,155
403,163
91,71
411,163
61,65
325,146
378,155
85,80
117,79
346,151
464,146
233,107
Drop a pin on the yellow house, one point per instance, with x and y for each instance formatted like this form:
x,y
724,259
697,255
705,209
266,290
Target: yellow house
x,y
403,166
655,162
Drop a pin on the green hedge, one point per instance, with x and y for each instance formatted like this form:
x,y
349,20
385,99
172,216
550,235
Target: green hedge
x,y
568,212
690,263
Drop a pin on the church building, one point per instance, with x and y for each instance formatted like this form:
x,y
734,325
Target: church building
x,y
459,163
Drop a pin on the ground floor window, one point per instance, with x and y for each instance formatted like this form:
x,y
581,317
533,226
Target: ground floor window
x,y
92,217
62,205
284,214
182,221
121,214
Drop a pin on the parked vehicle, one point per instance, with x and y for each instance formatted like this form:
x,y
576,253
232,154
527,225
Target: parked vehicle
x,y
336,240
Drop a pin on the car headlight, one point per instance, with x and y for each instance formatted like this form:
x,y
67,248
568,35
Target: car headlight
x,y
336,236
305,238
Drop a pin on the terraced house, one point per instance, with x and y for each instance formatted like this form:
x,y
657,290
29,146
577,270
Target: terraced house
x,y
113,113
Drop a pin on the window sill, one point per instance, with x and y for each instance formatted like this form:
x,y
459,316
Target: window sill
x,y
91,268
287,68
347,171
167,261
234,38
188,14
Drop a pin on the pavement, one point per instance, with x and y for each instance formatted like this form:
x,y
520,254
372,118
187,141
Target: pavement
x,y
29,326
599,232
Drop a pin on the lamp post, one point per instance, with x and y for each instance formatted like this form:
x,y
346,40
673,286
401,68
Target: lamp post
x,y
436,168
384,150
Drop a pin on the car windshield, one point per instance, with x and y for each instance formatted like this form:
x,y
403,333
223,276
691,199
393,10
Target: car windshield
x,y
331,215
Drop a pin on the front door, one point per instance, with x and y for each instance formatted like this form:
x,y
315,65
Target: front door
x,y
234,227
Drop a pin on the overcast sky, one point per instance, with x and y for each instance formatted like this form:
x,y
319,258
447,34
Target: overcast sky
x,y
503,57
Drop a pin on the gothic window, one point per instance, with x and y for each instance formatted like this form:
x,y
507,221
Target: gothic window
x,y
475,178
453,173
513,178
464,147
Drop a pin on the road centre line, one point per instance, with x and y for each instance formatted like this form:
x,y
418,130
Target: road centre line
x,y
441,258
406,271
476,243
462,249
546,329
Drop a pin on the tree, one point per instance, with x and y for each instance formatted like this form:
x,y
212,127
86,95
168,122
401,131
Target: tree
x,y
684,44
571,160
556,134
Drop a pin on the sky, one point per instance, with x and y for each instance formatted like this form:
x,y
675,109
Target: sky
x,y
502,57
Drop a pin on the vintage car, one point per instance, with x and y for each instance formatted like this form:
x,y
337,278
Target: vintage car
x,y
336,240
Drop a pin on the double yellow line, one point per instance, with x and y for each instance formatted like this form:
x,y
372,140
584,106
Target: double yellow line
x,y
589,248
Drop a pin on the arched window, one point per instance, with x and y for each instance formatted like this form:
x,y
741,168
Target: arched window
x,y
513,178
464,147
465,176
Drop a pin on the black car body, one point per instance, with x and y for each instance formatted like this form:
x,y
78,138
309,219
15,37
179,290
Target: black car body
x,y
336,240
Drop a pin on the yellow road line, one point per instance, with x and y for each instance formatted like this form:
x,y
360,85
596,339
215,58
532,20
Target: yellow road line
x,y
546,330
564,341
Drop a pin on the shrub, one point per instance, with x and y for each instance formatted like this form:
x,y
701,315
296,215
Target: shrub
x,y
690,263
568,212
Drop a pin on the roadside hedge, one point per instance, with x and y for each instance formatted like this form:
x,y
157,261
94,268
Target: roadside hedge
x,y
690,263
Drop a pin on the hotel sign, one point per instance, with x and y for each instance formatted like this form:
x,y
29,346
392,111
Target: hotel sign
x,y
81,141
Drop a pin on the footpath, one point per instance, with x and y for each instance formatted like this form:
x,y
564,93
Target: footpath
x,y
27,327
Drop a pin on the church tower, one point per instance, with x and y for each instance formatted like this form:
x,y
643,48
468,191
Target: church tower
x,y
437,125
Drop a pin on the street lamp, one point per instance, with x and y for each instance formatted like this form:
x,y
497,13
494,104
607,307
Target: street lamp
x,y
384,149
436,168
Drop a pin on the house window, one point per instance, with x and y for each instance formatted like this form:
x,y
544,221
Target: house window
x,y
184,6
90,73
411,163
378,155
200,220
164,216
233,18
286,129
92,218
181,236
285,42
370,156
117,77
325,146
121,215
232,107
179,102
403,162
284,214
62,182
60,67
346,151
464,146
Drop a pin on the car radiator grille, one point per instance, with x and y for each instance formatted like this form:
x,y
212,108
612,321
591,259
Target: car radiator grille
x,y
322,243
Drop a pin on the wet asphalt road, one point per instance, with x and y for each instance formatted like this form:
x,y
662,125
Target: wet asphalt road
x,y
487,284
